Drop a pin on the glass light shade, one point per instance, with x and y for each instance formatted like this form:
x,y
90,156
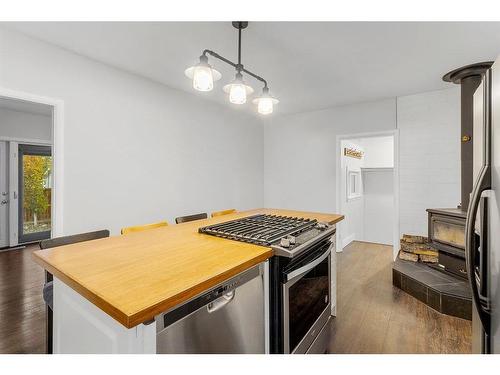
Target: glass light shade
x,y
265,104
203,76
203,80
238,91
238,94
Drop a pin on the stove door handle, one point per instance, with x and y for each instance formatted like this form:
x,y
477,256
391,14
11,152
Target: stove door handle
x,y
309,266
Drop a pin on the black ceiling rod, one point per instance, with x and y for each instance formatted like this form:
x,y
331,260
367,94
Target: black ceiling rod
x,y
239,46
240,25
255,76
217,56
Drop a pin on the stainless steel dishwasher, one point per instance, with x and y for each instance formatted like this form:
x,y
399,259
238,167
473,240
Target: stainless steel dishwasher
x,y
229,318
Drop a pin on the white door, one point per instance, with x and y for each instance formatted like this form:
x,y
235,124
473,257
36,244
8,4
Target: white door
x,y
4,195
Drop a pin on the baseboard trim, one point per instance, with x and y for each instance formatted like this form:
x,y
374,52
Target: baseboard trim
x,y
346,241
375,243
20,247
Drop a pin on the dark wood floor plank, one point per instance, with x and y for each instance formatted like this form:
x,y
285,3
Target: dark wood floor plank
x,y
22,310
375,317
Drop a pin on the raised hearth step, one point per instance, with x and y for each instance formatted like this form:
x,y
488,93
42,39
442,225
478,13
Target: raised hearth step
x,y
445,293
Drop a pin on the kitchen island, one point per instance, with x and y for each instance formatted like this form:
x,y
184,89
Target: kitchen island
x,y
107,292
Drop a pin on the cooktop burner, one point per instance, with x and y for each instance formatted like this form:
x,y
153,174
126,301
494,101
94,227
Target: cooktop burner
x,y
259,229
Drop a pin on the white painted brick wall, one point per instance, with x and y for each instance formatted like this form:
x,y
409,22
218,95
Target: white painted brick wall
x,y
429,156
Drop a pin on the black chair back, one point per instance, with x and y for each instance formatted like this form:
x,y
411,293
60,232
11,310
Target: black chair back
x,y
185,219
68,240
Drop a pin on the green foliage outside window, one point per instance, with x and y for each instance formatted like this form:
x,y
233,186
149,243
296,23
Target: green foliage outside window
x,y
36,173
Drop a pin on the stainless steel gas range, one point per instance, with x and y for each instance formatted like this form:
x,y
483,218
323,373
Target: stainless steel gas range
x,y
299,276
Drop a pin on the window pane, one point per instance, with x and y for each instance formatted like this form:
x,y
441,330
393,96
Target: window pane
x,y
37,189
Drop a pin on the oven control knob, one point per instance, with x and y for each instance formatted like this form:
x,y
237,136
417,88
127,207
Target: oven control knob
x,y
285,242
292,240
321,226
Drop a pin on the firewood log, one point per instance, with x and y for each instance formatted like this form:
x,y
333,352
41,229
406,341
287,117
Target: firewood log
x,y
428,258
414,239
414,247
408,256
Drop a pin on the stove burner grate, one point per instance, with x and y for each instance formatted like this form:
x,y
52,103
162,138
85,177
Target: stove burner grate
x,y
259,229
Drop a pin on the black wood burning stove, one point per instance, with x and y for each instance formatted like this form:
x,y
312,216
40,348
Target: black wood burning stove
x,y
447,235
448,291
447,226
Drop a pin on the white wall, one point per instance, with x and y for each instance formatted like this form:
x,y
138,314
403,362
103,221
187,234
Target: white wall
x,y
429,160
136,151
300,154
378,211
300,157
15,124
379,152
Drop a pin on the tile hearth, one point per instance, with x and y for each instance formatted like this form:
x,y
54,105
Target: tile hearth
x,y
441,291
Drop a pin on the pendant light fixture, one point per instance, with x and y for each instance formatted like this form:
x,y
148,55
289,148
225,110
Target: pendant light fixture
x,y
203,76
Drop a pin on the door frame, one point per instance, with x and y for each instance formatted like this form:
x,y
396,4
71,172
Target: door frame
x,y
4,167
13,144
395,134
57,155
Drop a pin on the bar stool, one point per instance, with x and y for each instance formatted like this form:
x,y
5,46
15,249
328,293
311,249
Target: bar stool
x,y
48,287
185,219
140,228
225,212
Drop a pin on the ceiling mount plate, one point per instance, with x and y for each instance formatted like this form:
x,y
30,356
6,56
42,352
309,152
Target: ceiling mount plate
x,y
240,24
457,75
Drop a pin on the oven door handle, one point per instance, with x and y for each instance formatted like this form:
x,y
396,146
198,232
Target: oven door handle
x,y
310,265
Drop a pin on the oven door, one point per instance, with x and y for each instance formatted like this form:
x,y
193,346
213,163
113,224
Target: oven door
x,y
306,298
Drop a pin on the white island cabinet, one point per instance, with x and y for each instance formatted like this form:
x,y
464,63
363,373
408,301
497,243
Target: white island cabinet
x,y
108,291
81,327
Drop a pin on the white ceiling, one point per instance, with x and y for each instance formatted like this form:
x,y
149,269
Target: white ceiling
x,y
308,65
24,106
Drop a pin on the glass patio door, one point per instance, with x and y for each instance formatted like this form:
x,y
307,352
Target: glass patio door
x,y
35,193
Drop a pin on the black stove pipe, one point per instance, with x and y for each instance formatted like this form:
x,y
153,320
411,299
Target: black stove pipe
x,y
468,77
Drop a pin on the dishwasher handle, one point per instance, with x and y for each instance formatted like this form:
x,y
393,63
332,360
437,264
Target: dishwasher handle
x,y
221,302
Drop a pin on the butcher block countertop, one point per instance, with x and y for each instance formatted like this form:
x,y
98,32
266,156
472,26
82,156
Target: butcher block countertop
x,y
139,275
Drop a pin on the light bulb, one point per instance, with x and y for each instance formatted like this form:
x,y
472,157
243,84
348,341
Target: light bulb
x,y
238,90
203,75
265,102
203,79
265,106
238,94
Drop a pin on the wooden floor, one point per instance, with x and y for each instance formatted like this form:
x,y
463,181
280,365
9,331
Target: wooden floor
x,y
22,310
372,315
375,317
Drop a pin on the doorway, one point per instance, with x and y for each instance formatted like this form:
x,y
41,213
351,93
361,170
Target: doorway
x,y
368,188
4,196
29,126
31,131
